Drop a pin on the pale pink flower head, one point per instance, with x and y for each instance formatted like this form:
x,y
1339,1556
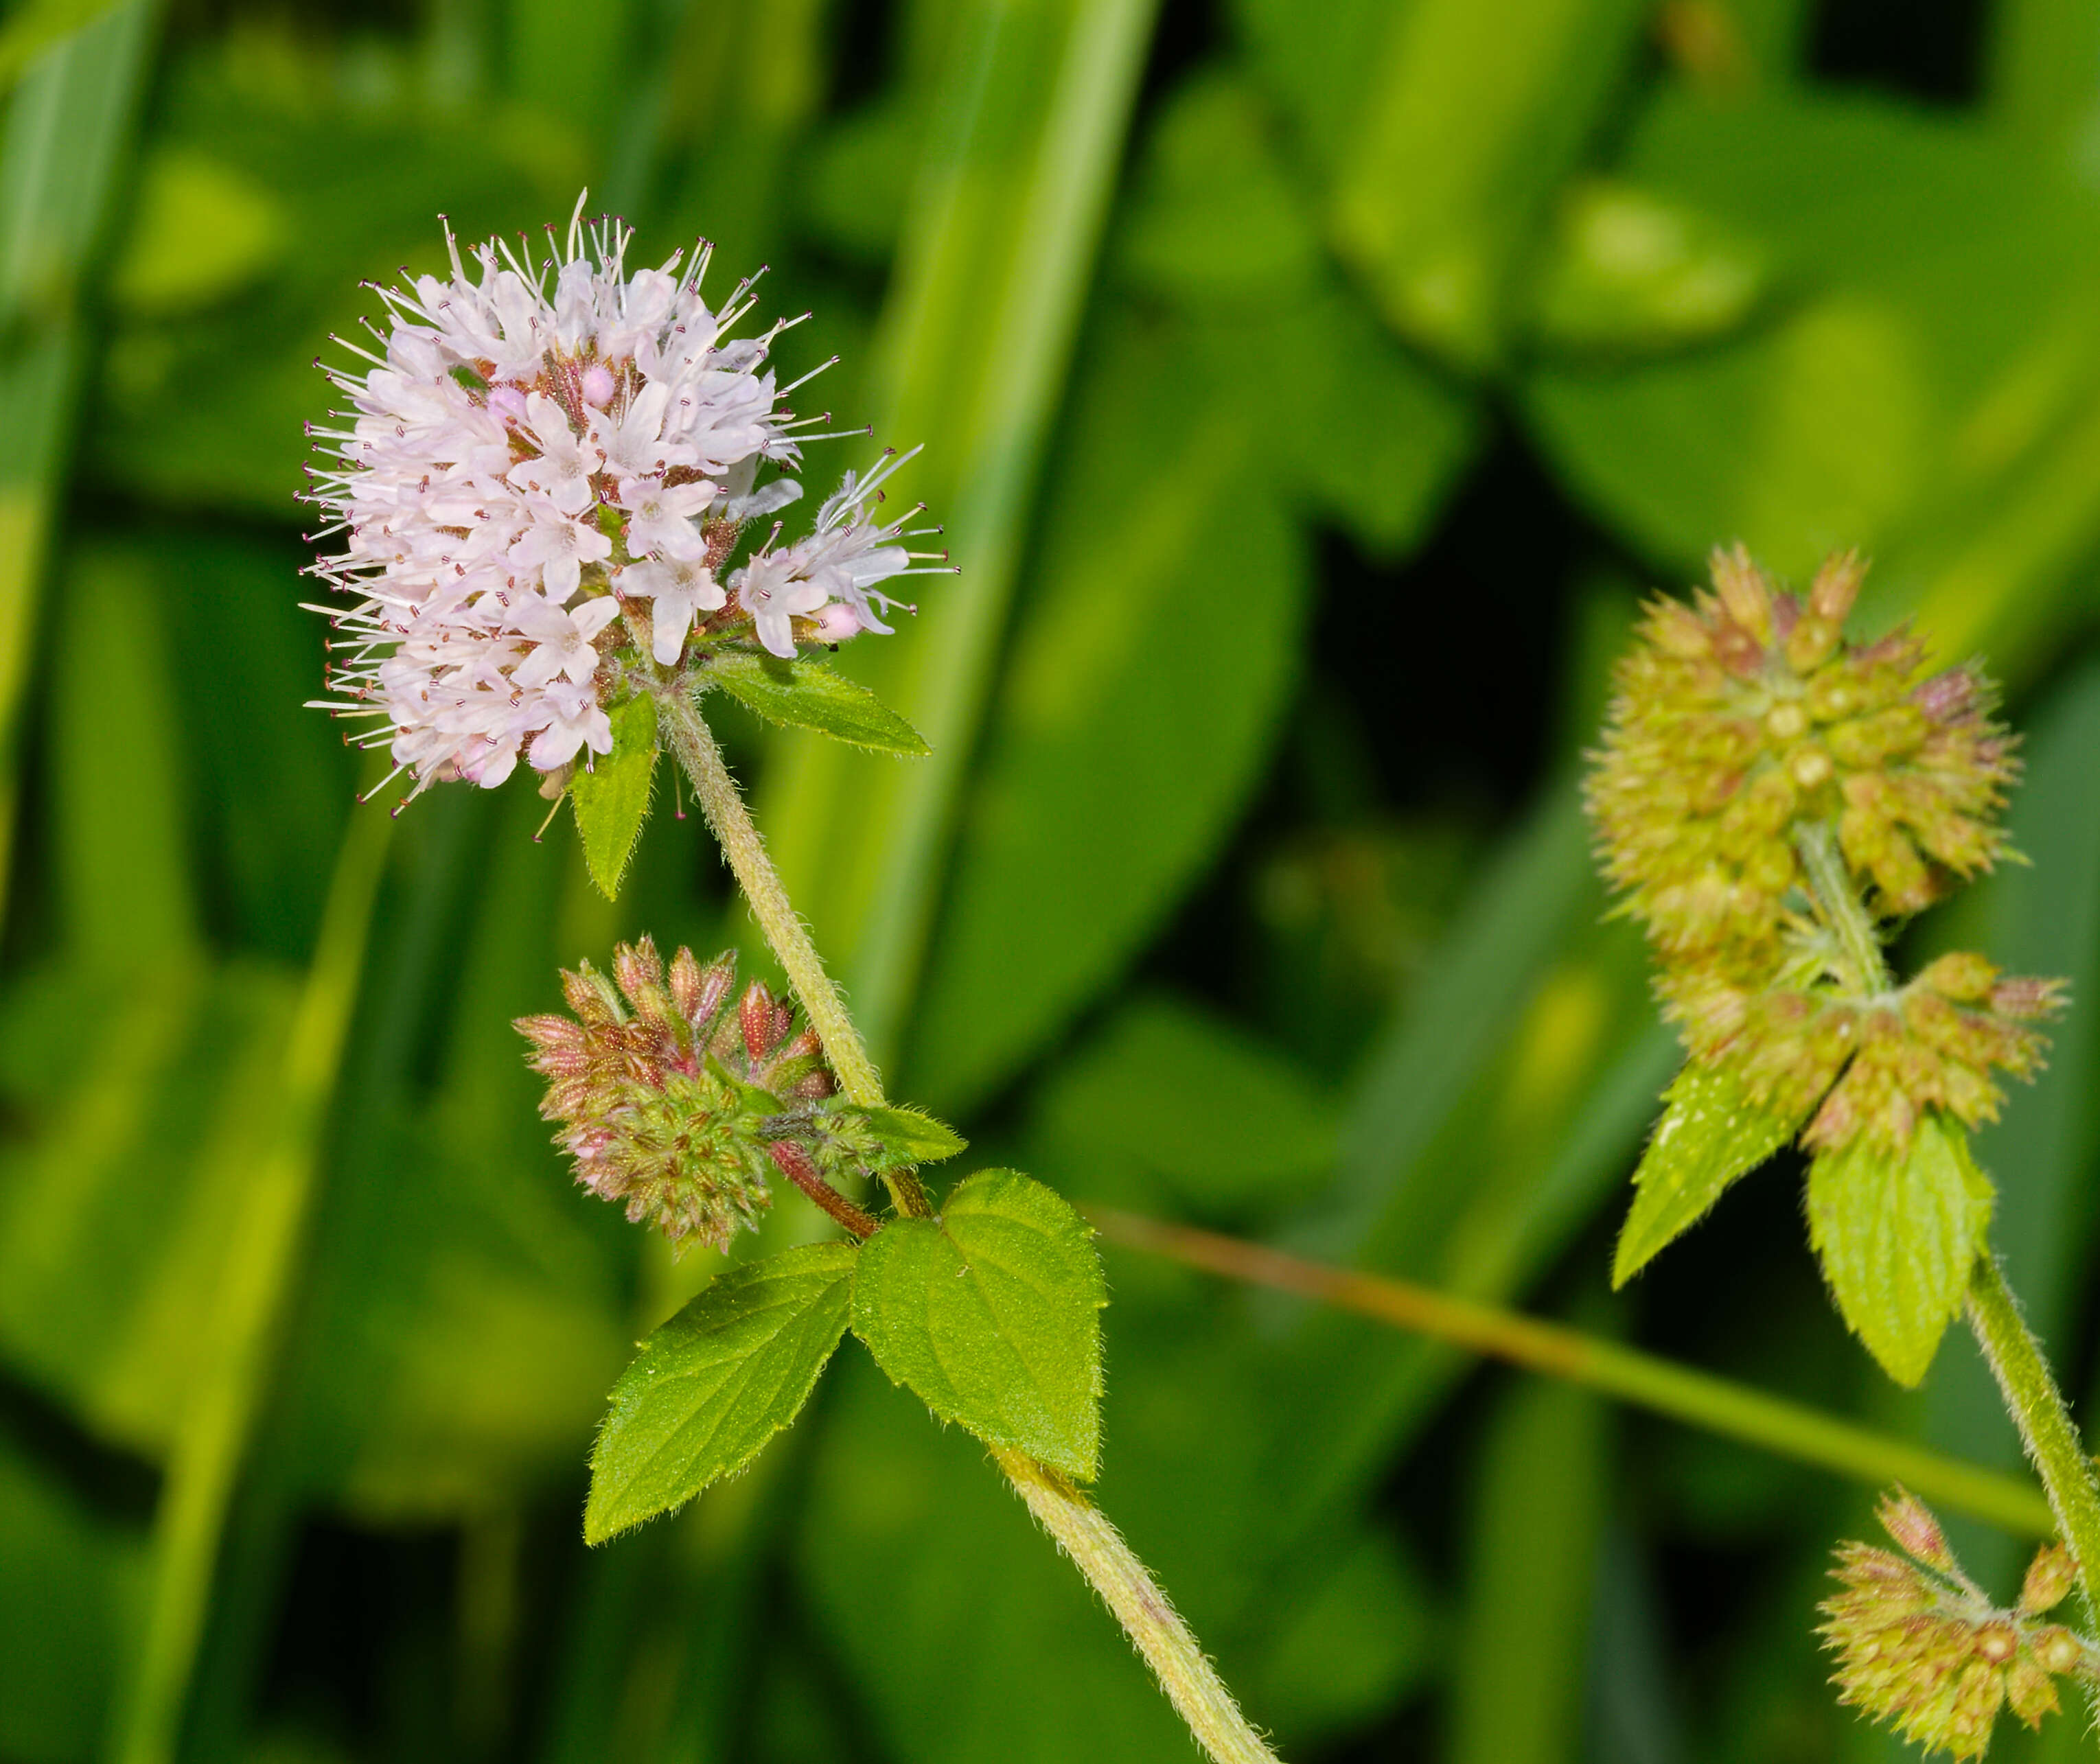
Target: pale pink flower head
x,y
545,444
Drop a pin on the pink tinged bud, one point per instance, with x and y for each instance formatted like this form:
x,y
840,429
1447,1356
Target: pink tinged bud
x,y
1837,586
2028,996
1910,1523
710,991
685,980
1949,695
1741,654
591,996
757,1018
1743,593
639,970
598,384
2049,1578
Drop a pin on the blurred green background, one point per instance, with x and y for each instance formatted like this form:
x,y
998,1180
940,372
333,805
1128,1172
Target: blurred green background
x,y
1309,390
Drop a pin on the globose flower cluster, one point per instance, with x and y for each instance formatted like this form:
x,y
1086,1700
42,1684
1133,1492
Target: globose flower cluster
x,y
1920,1647
670,1095
552,463
1746,732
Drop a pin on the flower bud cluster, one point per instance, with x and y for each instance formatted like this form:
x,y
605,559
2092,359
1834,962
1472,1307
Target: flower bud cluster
x,y
1746,733
671,1096
1745,715
1920,1647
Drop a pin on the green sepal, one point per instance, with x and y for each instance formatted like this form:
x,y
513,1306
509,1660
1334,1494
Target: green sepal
x,y
906,1137
611,798
991,1313
711,1386
756,1101
1708,1136
807,695
1899,1236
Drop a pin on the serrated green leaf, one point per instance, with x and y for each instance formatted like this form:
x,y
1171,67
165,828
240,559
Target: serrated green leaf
x,y
1898,1237
1708,1135
716,1383
992,1313
611,798
912,1136
807,695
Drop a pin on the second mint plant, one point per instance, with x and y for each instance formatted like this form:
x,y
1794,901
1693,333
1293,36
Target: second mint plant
x,y
1773,802
556,488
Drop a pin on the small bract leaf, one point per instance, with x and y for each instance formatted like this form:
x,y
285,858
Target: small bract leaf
x,y
807,695
712,1386
992,1314
611,798
911,1136
1899,1236
1708,1136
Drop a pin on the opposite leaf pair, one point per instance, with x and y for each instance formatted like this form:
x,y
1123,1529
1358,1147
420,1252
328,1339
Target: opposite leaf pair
x,y
1897,1233
990,1313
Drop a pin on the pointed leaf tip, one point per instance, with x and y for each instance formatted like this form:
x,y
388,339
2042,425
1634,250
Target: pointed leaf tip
x,y
1708,1135
806,695
1899,1234
711,1386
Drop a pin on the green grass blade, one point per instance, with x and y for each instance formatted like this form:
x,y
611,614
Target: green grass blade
x,y
66,132
1530,1577
1012,197
118,788
261,1260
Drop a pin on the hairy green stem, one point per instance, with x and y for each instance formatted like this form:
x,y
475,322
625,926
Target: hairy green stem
x,y
1838,897
2037,1406
2046,1426
742,844
1095,1546
1699,1399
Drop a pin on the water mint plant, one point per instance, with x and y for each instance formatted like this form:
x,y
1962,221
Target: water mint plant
x,y
1773,802
552,493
